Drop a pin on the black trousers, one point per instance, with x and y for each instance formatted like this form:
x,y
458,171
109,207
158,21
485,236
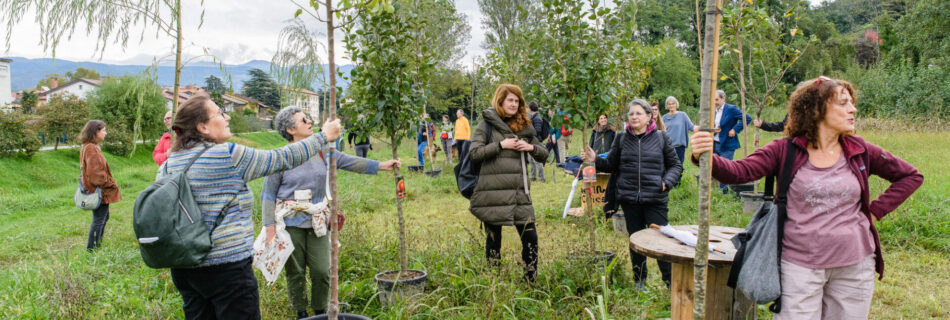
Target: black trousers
x,y
462,146
551,145
226,291
529,247
638,217
99,218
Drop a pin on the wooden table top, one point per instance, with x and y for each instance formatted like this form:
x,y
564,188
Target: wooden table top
x,y
652,243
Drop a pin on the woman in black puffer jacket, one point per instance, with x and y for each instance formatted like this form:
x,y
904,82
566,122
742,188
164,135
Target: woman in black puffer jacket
x,y
647,165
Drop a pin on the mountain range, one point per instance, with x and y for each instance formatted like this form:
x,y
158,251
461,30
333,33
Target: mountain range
x,y
26,73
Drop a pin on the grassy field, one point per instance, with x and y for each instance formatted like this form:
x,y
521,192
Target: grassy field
x,y
46,273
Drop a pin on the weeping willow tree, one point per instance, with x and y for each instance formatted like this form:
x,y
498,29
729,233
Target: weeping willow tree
x,y
108,22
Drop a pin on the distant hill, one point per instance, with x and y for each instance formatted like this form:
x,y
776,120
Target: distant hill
x,y
25,73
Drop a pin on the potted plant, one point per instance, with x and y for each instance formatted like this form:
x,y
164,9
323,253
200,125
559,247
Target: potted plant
x,y
392,65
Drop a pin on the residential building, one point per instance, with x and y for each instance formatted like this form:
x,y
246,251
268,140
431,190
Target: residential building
x,y
305,99
6,94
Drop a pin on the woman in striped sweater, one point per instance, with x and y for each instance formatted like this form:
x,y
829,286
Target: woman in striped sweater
x,y
223,285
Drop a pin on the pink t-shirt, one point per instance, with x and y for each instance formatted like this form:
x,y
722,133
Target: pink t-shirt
x,y
825,226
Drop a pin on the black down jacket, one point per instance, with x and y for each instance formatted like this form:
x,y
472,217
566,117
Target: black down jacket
x,y
645,163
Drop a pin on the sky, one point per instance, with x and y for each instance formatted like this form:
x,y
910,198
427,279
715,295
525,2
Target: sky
x,y
234,31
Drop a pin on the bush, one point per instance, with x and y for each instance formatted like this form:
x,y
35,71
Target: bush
x,y
63,114
16,136
903,92
238,123
126,103
118,140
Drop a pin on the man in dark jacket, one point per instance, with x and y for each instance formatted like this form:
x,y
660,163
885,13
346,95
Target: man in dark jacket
x,y
728,126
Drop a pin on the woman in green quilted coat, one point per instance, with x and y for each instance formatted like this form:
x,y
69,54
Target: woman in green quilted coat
x,y
502,196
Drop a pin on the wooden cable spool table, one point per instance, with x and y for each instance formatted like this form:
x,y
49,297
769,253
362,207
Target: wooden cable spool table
x,y
722,302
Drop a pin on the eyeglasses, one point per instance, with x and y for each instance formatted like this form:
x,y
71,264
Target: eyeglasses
x,y
636,114
168,118
222,114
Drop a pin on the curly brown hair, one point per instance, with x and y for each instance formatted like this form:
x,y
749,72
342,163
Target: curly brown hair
x,y
808,105
519,121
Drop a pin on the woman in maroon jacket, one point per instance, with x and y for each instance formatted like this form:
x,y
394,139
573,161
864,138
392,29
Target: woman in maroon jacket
x,y
96,174
830,248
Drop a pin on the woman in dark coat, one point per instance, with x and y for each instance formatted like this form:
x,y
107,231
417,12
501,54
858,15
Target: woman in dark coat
x,y
603,136
502,197
647,165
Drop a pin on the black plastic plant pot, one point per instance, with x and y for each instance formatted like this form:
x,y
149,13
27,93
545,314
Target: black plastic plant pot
x,y
396,285
340,316
751,201
739,188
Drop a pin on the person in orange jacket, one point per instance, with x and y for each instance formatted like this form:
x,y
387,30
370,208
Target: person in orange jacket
x,y
161,149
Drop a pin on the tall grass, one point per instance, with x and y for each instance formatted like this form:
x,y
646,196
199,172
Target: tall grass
x,y
46,273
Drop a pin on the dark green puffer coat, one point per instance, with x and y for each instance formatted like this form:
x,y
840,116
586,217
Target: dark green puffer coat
x,y
499,197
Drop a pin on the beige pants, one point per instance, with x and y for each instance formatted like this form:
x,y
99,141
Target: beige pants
x,y
833,293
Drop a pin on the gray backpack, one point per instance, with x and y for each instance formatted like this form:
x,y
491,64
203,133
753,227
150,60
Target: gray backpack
x,y
756,266
168,223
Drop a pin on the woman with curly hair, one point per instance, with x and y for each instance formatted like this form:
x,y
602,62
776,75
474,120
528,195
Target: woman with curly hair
x,y
830,247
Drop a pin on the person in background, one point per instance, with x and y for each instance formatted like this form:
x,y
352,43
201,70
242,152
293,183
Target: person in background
x,y
222,285
446,137
426,132
830,247
362,146
311,245
771,126
646,163
603,135
462,133
678,126
728,126
655,109
537,167
161,149
554,136
501,197
96,174
564,141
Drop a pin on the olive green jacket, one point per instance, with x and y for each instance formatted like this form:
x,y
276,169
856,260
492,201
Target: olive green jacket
x,y
499,197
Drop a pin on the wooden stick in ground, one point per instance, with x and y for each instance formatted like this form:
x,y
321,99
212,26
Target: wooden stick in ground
x,y
706,117
333,308
402,221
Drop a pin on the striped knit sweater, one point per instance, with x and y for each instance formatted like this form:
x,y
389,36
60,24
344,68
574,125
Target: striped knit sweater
x,y
219,183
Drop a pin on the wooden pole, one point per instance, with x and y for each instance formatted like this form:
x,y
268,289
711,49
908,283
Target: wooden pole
x,y
706,117
333,308
177,60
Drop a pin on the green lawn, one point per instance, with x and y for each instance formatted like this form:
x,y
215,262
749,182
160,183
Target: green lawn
x,y
46,273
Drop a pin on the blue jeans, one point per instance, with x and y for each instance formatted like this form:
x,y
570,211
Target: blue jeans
x,y
681,153
99,218
728,154
422,146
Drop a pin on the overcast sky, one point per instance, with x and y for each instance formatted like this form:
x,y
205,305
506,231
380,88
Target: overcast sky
x,y
236,31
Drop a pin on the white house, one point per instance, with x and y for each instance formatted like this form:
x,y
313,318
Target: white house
x,y
79,87
305,99
6,92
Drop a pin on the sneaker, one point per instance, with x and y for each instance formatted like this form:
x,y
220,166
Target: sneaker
x,y
641,284
302,315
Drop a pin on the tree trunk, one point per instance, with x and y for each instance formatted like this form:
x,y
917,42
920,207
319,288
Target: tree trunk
x,y
402,221
334,306
589,204
710,72
177,59
742,89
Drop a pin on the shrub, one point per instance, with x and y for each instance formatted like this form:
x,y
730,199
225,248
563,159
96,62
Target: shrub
x,y
127,103
16,136
63,114
118,140
238,123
